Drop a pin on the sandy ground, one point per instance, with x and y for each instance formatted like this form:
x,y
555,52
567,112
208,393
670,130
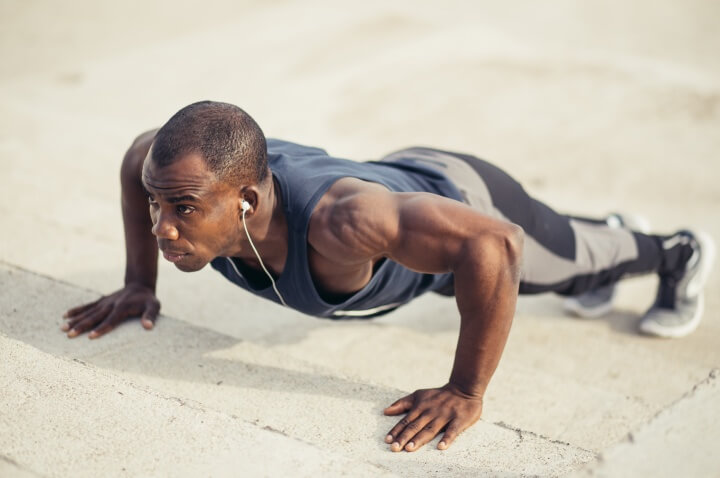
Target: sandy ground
x,y
595,106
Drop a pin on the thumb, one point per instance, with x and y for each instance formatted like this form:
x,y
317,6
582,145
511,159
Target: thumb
x,y
400,406
150,314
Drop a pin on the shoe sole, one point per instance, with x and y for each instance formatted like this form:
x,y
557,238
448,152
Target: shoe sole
x,y
573,306
707,259
657,330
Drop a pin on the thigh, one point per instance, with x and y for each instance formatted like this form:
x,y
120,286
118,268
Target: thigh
x,y
461,173
493,192
561,253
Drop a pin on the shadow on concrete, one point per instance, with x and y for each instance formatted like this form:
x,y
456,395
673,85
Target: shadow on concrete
x,y
550,307
205,299
185,361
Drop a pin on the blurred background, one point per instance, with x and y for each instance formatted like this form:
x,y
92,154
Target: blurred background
x,y
558,93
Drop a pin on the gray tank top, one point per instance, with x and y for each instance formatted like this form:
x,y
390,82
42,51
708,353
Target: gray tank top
x,y
304,174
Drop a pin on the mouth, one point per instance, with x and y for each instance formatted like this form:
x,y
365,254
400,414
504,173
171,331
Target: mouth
x,y
174,256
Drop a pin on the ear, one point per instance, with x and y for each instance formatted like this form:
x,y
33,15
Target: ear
x,y
248,200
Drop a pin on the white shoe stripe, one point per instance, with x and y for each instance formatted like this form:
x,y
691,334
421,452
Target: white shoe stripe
x,y
674,241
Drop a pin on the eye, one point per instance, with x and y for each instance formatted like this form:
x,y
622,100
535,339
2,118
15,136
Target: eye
x,y
185,210
151,201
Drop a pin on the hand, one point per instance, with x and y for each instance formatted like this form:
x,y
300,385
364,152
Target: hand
x,y
107,312
428,413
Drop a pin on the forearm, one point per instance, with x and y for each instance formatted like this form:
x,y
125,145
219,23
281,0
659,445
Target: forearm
x,y
484,255
141,249
486,289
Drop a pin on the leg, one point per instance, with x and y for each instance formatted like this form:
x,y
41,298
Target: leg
x,y
598,302
563,254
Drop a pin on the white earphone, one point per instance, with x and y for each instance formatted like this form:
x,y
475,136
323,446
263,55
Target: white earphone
x,y
245,206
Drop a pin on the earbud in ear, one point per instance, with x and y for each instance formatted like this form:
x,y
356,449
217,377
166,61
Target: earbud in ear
x,y
245,205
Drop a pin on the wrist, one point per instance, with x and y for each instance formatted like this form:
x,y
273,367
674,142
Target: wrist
x,y
140,284
470,393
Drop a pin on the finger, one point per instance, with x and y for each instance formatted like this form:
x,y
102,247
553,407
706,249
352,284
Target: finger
x,y
400,406
453,430
88,322
150,315
91,312
399,427
407,435
428,432
106,325
77,310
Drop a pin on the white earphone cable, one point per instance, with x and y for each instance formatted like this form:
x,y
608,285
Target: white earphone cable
x,y
272,281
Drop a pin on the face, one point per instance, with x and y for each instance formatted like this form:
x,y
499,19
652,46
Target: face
x,y
194,216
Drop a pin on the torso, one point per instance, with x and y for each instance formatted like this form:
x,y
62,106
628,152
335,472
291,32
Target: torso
x,y
335,276
327,273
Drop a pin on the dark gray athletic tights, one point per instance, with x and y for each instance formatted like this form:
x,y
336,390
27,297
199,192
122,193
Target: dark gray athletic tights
x,y
563,254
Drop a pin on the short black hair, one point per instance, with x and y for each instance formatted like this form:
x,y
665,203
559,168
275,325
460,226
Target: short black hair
x,y
228,139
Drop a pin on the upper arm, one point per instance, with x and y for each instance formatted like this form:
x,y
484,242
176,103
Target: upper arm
x,y
132,164
422,231
133,195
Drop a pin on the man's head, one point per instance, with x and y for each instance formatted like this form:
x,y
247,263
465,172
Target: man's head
x,y
203,163
228,139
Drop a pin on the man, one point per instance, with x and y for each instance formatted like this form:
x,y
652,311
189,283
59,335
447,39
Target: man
x,y
335,238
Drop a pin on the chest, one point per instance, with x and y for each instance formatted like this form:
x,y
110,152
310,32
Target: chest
x,y
333,281
336,282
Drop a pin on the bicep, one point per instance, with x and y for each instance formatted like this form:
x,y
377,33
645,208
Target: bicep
x,y
437,234
422,231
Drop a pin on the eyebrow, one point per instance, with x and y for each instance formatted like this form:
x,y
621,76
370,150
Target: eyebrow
x,y
173,199
177,199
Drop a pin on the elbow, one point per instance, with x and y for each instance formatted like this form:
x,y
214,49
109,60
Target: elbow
x,y
514,240
502,250
499,250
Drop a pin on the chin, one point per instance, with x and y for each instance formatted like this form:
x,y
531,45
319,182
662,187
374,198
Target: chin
x,y
186,267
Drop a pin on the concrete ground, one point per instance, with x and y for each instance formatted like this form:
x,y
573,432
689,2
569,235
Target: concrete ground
x,y
594,106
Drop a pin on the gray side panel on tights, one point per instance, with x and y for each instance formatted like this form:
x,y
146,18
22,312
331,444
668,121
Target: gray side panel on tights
x,y
598,246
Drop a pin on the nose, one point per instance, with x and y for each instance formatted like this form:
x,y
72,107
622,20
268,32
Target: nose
x,y
163,228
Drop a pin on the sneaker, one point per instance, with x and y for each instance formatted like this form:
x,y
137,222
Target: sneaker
x,y
678,307
591,304
599,302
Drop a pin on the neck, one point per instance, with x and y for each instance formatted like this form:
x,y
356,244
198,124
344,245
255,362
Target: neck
x,y
268,229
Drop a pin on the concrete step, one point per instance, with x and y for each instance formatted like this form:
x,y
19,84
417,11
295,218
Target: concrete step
x,y
243,389
681,440
65,417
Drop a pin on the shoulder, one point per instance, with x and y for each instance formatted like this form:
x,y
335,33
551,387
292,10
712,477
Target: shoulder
x,y
354,221
289,148
132,164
